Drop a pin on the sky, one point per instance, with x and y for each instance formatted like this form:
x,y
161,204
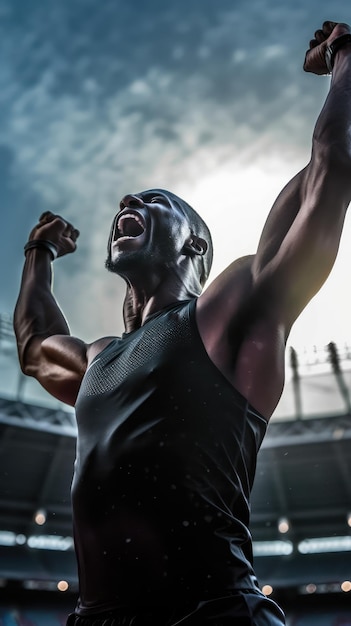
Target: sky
x,y
206,98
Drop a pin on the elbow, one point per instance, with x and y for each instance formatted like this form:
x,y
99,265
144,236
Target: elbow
x,y
27,368
28,345
28,357
22,353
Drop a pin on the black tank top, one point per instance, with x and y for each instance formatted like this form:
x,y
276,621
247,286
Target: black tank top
x,y
166,456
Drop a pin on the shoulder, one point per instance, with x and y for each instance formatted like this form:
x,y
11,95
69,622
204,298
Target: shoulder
x,y
93,349
243,336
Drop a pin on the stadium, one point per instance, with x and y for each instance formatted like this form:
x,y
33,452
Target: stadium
x,y
301,504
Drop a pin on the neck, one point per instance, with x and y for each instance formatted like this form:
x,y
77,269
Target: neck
x,y
139,305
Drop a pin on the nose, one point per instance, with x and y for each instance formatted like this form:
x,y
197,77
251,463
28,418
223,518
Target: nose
x,y
130,201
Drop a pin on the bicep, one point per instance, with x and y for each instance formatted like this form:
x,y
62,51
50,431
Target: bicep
x,y
58,363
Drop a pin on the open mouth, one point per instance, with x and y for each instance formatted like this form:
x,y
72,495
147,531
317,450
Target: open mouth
x,y
130,226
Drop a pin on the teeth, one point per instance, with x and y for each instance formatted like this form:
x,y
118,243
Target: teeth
x,y
130,225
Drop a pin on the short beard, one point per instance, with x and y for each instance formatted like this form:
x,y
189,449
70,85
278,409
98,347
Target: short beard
x,y
123,267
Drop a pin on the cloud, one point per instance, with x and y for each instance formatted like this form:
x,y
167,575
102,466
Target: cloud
x,y
97,100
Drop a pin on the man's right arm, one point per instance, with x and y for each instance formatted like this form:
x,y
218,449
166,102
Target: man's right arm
x,y
46,350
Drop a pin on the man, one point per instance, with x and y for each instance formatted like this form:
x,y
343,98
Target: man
x,y
171,415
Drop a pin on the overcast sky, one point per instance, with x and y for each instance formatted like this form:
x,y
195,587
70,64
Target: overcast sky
x,y
206,98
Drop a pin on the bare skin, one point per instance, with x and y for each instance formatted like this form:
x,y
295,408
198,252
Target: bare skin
x,y
246,314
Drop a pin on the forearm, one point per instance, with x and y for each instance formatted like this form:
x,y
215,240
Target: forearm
x,y
328,174
37,313
332,133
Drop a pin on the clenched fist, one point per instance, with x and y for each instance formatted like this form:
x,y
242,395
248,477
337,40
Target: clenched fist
x,y
315,59
55,229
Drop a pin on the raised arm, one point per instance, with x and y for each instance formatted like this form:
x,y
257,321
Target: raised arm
x,y
245,315
301,237
46,349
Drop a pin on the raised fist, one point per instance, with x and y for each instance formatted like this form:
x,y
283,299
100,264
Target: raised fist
x,y
54,228
315,61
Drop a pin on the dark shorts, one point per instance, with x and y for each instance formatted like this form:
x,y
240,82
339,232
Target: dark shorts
x,y
251,608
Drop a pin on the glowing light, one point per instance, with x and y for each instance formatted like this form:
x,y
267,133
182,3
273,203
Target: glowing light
x,y
216,189
41,542
267,590
311,588
40,517
272,548
349,519
62,585
283,525
346,586
324,544
50,542
21,539
7,538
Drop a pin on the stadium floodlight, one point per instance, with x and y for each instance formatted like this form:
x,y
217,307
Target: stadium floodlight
x,y
320,545
50,542
272,548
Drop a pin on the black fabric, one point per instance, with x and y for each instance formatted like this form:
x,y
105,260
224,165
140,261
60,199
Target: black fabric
x,y
245,608
166,457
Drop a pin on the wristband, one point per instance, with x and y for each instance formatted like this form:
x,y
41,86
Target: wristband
x,y
44,244
333,48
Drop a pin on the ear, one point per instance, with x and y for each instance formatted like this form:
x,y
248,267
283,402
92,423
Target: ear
x,y
195,246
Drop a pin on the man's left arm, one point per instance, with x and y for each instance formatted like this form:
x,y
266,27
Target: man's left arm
x,y
301,237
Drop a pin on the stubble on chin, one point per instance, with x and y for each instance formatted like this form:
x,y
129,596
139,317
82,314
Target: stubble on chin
x,y
124,263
